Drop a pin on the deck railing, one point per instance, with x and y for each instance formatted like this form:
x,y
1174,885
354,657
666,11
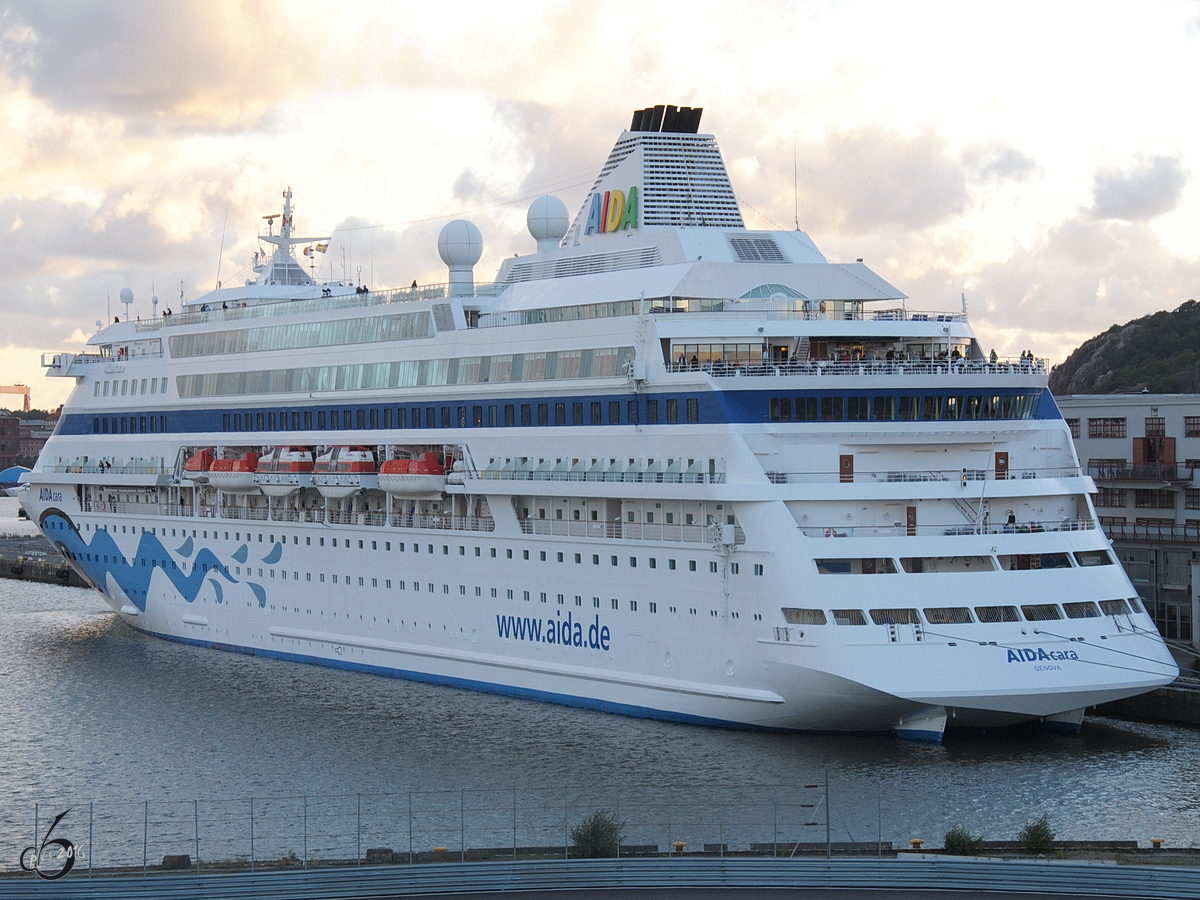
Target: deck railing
x,y
900,529
820,368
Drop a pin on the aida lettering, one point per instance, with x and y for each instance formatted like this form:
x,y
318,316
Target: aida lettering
x,y
1028,655
613,211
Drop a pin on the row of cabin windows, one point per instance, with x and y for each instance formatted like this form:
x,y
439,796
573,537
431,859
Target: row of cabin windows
x,y
415,547
928,408
129,387
475,416
129,425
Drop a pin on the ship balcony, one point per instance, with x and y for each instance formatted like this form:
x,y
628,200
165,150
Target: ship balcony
x,y
829,367
901,529
904,476
633,531
59,365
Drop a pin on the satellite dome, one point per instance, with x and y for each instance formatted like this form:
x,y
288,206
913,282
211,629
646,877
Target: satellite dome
x,y
126,295
460,244
547,219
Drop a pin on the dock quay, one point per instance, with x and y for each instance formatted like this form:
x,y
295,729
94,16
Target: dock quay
x,y
34,559
683,877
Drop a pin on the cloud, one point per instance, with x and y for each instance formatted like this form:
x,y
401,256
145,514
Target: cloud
x,y
1148,190
211,64
1007,164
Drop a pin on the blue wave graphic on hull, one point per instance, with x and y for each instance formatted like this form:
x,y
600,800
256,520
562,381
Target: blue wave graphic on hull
x,y
186,548
239,555
273,557
102,558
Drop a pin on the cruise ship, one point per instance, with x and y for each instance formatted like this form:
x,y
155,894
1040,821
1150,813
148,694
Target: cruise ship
x,y
663,465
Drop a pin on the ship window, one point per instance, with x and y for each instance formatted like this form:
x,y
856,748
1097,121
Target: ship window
x,y
359,422
652,412
973,408
953,409
462,416
142,424
948,615
932,564
1082,610
672,410
577,413
153,386
615,603
258,418
375,418
526,415
334,417
560,414
833,409
163,388
895,617
1114,607
691,565
270,421
320,419
1093,558
614,412
125,386
493,416
907,408
1021,561
931,409
994,614
295,420
543,414
848,617
693,409
598,410
509,415
96,426
401,417
867,566
631,414
858,409
1044,612
225,421
804,616
446,417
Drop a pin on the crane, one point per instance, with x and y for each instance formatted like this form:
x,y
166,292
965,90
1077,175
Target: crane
x,y
16,389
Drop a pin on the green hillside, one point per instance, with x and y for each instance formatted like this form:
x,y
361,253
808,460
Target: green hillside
x,y
1159,352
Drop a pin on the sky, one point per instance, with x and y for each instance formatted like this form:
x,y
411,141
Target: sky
x,y
1039,158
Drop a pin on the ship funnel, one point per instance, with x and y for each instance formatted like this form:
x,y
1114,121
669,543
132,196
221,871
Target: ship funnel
x,y
460,245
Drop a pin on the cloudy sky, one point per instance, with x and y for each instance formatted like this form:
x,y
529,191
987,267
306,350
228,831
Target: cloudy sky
x,y
1038,157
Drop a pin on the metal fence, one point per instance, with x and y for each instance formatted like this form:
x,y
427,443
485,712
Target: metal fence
x,y
425,826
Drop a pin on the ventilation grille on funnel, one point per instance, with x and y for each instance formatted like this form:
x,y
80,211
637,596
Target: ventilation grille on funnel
x,y
757,249
591,264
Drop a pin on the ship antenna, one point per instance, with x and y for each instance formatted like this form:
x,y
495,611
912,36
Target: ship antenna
x,y
795,172
221,255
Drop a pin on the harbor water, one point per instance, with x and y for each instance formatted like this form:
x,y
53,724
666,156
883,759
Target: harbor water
x,y
98,717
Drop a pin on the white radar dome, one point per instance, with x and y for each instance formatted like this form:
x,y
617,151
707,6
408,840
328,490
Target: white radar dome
x,y
126,295
547,219
460,244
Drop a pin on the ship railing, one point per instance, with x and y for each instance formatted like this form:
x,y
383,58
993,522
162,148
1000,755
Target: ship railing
x,y
1145,532
900,476
285,514
629,531
77,468
272,306
632,477
1123,471
820,368
443,523
251,513
901,529
747,310
342,517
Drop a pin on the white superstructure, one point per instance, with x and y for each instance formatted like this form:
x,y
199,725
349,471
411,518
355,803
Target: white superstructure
x,y
665,465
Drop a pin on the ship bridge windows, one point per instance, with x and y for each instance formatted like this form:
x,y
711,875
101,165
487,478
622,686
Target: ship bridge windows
x,y
804,616
1082,610
994,614
948,615
1021,561
940,564
865,566
895,617
1087,558
1042,612
848,617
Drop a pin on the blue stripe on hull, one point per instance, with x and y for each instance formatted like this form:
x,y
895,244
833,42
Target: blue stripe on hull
x,y
487,687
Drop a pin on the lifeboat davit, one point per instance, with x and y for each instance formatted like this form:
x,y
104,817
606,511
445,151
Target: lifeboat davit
x,y
284,471
344,471
421,478
198,465
235,476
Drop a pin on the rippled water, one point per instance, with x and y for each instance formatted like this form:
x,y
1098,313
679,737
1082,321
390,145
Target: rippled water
x,y
92,710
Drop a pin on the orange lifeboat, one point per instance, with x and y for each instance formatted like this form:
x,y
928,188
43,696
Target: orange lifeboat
x,y
284,471
424,477
235,476
344,471
198,465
